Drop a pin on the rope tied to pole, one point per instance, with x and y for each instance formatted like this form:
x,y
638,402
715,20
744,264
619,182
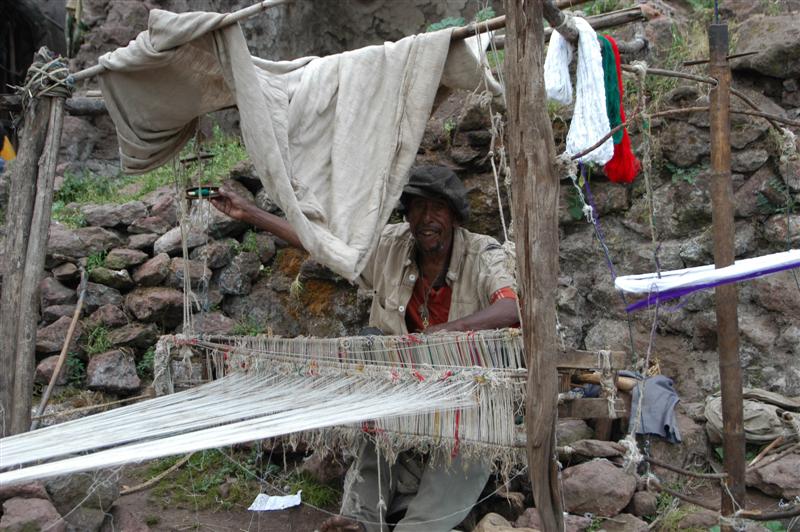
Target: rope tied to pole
x,y
48,75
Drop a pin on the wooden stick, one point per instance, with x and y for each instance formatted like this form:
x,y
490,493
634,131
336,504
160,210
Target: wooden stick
x,y
675,469
101,405
777,441
28,311
230,18
62,357
157,478
535,186
757,515
656,485
77,106
22,191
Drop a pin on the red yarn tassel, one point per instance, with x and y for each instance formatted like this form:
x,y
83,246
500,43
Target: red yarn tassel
x,y
624,166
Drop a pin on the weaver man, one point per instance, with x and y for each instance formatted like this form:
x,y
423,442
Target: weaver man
x,y
428,274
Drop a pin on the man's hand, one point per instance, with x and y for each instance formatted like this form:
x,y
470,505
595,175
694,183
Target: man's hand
x,y
339,523
232,204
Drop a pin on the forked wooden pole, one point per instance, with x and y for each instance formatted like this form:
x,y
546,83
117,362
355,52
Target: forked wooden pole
x,y
535,186
726,298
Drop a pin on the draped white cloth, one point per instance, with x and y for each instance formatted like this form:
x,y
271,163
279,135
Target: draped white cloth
x,y
331,138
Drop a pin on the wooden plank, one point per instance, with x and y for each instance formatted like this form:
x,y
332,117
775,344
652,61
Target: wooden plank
x,y
535,186
577,359
22,190
34,270
77,106
594,408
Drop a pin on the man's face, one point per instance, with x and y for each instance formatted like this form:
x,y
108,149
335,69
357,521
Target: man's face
x,y
432,222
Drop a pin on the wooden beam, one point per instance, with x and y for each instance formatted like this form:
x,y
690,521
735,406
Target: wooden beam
x,y
593,408
535,186
726,297
22,191
577,359
77,106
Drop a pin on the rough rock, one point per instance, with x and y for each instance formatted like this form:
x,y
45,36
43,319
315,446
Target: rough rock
x,y
572,430
23,515
45,369
582,492
236,279
156,304
52,313
324,466
86,519
108,316
265,247
98,295
142,241
778,478
124,518
217,254
643,504
746,161
50,339
31,490
778,40
684,144
265,203
263,306
213,323
113,215
492,522
136,335
572,523
51,292
780,230
66,272
597,448
70,492
113,372
198,274
777,293
63,241
166,208
150,225
153,272
96,239
170,241
698,519
119,279
624,523
747,196
690,454
120,258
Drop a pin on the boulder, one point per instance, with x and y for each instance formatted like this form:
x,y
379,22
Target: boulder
x,y
265,203
22,515
780,230
624,523
778,478
66,272
142,241
69,496
212,323
684,144
263,305
98,295
216,254
572,523
113,372
121,258
777,38
572,430
31,490
166,208
777,293
691,453
236,279
113,215
585,493
748,197
153,272
150,225
119,279
45,369
97,239
265,247
51,292
50,339
134,334
198,274
63,241
108,316
156,304
324,466
492,522
746,161
52,313
698,519
643,504
124,518
170,241
597,448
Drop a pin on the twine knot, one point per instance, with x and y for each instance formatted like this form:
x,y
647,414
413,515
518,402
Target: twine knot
x,y
48,75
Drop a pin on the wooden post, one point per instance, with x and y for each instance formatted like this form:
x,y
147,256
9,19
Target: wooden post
x,y
28,312
22,190
726,297
535,187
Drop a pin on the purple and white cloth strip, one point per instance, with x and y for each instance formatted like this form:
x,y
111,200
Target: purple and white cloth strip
x,y
676,283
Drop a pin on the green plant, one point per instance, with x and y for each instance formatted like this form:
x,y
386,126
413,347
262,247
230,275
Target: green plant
x,y
314,493
98,341
769,206
685,175
96,260
76,370
144,369
574,205
485,14
249,243
152,520
248,327
599,7
448,22
67,216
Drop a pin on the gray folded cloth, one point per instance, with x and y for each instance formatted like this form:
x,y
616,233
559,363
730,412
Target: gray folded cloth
x,y
658,408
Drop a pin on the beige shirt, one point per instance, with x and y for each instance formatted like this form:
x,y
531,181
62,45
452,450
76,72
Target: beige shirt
x,y
477,270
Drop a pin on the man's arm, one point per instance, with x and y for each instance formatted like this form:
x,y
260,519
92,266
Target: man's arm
x,y
502,313
239,208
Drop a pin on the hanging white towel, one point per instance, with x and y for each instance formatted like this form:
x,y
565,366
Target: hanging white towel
x,y
589,118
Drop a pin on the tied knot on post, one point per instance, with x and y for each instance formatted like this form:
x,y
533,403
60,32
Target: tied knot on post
x,y
48,75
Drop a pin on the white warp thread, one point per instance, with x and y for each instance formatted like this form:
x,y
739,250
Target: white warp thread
x,y
589,119
701,275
